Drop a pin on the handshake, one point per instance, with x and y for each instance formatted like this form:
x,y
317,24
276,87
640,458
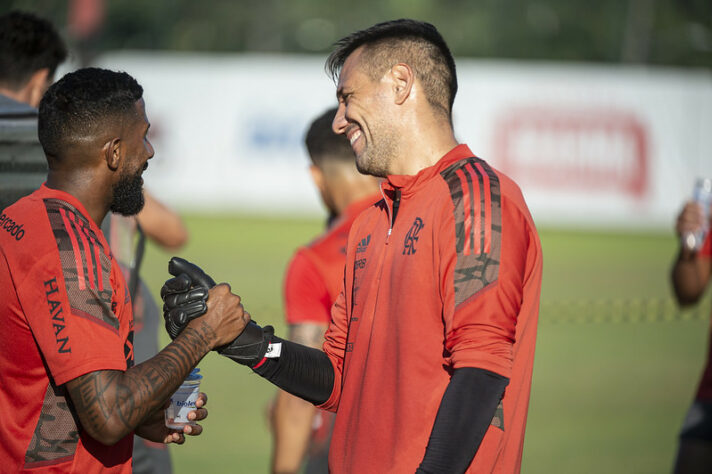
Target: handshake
x,y
186,297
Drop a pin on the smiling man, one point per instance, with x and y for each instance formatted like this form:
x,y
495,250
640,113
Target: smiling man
x,y
437,321
71,395
428,358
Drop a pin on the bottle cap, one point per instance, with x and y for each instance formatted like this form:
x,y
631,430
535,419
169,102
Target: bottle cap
x,y
194,375
705,184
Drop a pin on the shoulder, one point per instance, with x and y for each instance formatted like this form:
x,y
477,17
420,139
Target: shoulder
x,y
306,268
54,225
70,226
12,109
300,259
470,175
24,224
330,240
475,185
26,238
471,190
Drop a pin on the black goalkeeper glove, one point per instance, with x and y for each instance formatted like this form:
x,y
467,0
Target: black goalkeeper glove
x,y
184,298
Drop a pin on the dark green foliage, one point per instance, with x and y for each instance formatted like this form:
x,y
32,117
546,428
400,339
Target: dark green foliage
x,y
672,32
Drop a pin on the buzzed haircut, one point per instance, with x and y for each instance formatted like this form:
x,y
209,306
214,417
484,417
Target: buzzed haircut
x,y
416,43
81,105
324,145
28,43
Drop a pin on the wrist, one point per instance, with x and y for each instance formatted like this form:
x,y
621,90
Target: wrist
x,y
253,346
201,336
687,255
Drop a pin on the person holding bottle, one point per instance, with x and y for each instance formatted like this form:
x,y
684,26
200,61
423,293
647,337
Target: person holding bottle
x,y
691,273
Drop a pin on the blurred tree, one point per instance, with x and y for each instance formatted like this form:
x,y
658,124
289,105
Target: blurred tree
x,y
672,32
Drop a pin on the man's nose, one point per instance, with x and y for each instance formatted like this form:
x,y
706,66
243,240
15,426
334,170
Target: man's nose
x,y
338,125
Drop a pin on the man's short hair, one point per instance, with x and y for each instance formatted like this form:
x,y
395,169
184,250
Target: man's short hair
x,y
412,42
324,145
82,104
28,43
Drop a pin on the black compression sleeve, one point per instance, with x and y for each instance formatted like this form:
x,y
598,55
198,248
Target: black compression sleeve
x,y
465,413
300,370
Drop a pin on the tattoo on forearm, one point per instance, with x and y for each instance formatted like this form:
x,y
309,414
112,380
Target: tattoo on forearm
x,y
88,396
107,396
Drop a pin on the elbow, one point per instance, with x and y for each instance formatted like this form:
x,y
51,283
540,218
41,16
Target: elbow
x,y
110,441
109,434
685,299
175,241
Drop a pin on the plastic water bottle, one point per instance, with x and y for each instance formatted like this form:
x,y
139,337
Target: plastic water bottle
x,y
183,401
702,194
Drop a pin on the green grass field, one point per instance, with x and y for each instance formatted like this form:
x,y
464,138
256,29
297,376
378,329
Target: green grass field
x,y
607,397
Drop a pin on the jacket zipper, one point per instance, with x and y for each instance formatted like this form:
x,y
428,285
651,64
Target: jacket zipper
x,y
392,213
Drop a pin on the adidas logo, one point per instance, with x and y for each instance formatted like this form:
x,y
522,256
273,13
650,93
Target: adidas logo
x,y
363,245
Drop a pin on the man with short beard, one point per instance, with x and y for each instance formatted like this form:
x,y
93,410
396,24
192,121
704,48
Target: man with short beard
x,y
428,358
70,394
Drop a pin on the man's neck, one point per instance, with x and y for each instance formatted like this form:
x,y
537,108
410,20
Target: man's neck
x,y
80,186
19,96
422,148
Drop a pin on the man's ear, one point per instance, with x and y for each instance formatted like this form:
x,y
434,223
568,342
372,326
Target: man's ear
x,y
318,177
324,182
403,81
112,153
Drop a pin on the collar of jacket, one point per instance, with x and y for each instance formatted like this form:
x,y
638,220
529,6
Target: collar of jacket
x,y
410,184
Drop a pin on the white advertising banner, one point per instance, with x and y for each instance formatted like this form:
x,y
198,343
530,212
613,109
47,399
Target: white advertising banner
x,y
589,145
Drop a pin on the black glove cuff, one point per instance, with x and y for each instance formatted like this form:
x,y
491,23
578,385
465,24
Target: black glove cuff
x,y
250,347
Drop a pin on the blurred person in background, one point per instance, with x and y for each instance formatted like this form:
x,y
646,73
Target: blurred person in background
x,y
127,238
439,308
30,52
690,277
312,283
72,395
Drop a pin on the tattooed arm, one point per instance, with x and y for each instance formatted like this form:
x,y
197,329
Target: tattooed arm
x,y
111,404
292,417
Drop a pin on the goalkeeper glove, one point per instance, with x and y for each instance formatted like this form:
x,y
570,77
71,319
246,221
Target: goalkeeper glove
x,y
185,298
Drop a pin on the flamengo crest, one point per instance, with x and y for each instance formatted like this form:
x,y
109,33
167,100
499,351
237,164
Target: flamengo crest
x,y
411,238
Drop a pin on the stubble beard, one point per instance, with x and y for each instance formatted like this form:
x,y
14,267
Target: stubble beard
x,y
127,195
376,158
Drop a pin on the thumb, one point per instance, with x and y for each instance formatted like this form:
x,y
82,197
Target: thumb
x,y
177,265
